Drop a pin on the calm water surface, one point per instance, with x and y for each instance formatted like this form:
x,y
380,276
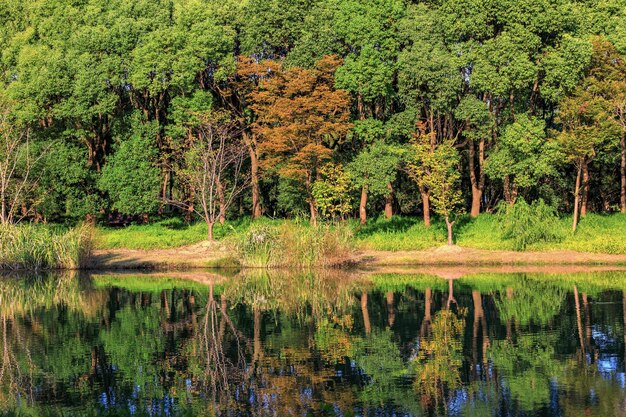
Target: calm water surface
x,y
325,344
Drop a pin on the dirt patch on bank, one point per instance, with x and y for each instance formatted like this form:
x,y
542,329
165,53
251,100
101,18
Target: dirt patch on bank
x,y
456,255
211,255
200,255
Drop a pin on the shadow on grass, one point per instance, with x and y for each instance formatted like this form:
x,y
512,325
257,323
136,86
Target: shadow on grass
x,y
396,224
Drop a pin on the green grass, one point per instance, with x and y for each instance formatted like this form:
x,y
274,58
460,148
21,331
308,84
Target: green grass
x,y
163,235
151,284
399,233
34,247
596,233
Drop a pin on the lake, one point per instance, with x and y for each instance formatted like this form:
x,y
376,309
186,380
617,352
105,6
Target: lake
x,y
443,343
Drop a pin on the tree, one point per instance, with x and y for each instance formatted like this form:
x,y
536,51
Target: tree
x,y
213,167
131,177
435,169
524,155
235,94
332,192
477,126
607,80
588,123
375,168
16,165
443,182
300,118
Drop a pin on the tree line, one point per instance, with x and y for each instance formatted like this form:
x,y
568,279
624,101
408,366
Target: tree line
x,y
325,108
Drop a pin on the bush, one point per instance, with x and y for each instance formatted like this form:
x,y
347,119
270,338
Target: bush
x,y
293,244
39,247
525,224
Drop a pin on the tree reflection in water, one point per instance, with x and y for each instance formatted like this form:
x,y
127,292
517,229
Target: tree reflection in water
x,y
330,343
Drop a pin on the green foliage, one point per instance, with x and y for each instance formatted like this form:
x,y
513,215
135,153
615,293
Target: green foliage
x,y
526,224
331,192
112,92
131,177
375,167
524,154
67,184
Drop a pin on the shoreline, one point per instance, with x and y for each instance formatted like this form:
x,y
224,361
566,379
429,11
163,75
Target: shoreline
x,y
214,256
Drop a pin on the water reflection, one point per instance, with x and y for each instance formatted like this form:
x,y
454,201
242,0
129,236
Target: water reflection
x,y
331,343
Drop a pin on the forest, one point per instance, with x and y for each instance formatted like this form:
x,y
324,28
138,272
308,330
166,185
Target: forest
x,y
115,112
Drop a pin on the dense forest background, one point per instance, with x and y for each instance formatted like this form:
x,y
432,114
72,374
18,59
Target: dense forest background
x,y
116,110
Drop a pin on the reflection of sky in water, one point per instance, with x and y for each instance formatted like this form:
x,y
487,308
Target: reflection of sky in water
x,y
608,364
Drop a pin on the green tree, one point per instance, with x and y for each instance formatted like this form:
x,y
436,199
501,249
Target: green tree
x,y
331,192
524,155
131,178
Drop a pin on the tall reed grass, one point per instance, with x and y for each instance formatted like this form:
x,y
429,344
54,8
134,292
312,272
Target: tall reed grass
x,y
38,247
294,244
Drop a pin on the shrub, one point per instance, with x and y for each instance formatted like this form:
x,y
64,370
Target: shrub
x,y
525,224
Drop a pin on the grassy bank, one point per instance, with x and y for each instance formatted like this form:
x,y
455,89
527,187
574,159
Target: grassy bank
x,y
596,233
43,247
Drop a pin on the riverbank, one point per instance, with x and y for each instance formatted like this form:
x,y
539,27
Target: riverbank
x,y
402,241
206,255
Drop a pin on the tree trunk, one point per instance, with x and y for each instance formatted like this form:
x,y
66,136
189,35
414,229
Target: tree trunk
x,y
576,198
449,224
623,174
210,231
257,209
426,208
578,320
391,311
585,194
3,211
389,202
507,190
366,315
363,205
313,219
478,182
477,195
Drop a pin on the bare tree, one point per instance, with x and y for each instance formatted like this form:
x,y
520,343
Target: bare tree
x,y
213,165
16,164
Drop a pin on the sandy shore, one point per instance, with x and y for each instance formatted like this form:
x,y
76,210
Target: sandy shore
x,y
207,255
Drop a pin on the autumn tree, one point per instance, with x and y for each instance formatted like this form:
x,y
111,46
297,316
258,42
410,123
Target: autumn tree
x,y
234,93
301,117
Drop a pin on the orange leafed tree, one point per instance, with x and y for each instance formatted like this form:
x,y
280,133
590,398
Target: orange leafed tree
x,y
300,118
234,93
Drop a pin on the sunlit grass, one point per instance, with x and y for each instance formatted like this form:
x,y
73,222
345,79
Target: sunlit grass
x,y
163,235
596,233
31,246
